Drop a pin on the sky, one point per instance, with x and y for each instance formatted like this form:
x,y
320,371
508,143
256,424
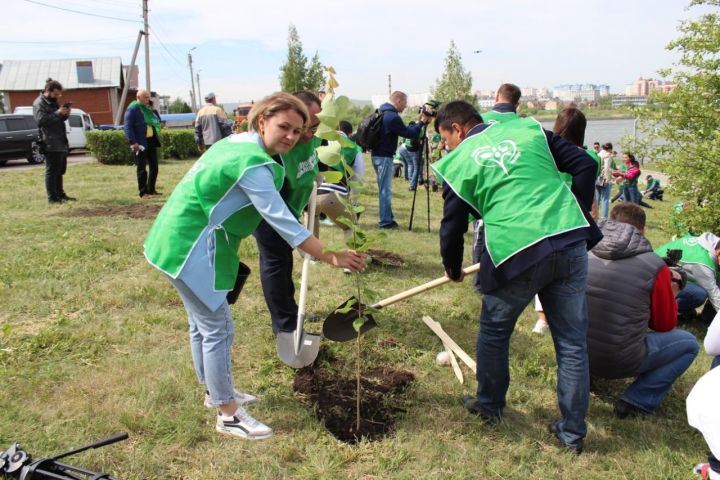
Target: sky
x,y
239,46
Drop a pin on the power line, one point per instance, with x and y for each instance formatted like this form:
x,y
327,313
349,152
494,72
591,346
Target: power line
x,y
82,13
55,42
165,48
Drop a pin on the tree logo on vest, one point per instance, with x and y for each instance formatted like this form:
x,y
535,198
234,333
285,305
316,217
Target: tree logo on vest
x,y
690,241
307,166
501,155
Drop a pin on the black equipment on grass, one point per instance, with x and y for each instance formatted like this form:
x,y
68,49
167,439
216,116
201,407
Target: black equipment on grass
x,y
17,463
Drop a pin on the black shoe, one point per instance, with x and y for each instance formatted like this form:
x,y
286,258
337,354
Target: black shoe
x,y
411,189
56,200
391,225
472,407
576,449
68,199
624,409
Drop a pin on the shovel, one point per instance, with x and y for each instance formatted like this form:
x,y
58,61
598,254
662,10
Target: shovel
x,y
338,326
299,349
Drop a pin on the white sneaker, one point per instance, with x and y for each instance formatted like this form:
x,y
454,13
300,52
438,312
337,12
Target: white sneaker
x,y
243,399
347,270
242,425
540,326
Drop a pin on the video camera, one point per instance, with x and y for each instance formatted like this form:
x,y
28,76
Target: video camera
x,y
429,108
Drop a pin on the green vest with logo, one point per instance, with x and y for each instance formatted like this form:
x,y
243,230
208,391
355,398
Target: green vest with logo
x,y
692,251
499,117
507,173
301,168
187,213
349,154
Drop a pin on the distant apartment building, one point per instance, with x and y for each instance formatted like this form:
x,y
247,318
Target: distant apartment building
x,y
587,92
629,100
642,87
532,93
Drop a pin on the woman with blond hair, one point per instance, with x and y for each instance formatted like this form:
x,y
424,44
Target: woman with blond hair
x,y
196,237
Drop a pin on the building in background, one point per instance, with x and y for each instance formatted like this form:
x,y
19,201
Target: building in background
x,y
587,92
91,84
643,87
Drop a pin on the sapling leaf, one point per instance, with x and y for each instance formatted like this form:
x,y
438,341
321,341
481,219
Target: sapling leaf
x,y
344,221
358,323
355,185
329,154
333,247
332,83
327,132
346,142
358,209
345,310
332,176
370,310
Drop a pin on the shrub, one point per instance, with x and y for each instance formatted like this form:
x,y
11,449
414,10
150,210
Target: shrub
x,y
179,143
110,147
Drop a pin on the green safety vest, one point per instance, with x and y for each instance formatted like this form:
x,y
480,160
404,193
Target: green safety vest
x,y
692,251
595,157
507,173
301,168
349,154
499,117
186,215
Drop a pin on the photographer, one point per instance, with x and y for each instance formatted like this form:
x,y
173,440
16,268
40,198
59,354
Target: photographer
x,y
392,128
50,117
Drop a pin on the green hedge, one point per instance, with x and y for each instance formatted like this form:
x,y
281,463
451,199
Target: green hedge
x,y
111,146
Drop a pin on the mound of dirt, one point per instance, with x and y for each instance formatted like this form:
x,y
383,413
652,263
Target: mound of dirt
x,y
334,398
386,259
139,210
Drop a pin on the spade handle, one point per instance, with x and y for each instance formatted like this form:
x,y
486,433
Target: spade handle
x,y
423,288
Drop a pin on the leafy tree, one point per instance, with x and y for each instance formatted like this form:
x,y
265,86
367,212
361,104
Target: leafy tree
x,y
295,73
689,123
315,77
455,82
179,106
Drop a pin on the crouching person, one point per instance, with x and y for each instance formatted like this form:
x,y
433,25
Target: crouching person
x,y
619,343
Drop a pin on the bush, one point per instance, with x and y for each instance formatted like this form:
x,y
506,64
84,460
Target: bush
x,y
110,147
178,143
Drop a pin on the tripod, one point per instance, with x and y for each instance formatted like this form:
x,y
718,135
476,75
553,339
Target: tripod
x,y
16,463
424,152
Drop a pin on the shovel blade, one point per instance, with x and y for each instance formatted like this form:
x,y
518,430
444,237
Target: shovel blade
x,y
308,351
338,326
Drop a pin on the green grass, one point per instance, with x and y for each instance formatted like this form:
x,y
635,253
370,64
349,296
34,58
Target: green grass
x,y
93,341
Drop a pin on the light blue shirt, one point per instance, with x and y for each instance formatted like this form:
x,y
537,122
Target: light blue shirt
x,y
257,189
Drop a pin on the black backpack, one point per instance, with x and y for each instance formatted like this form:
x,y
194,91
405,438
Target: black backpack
x,y
369,131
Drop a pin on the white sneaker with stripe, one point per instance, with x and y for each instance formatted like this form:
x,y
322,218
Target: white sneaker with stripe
x,y
242,425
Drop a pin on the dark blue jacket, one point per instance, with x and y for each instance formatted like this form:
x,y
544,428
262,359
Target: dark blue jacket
x,y
135,127
568,158
393,127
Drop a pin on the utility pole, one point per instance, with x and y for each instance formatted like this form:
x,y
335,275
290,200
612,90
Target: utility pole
x,y
389,84
147,46
131,68
192,80
199,97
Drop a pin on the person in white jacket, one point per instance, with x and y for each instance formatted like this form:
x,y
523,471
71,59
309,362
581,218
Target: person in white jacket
x,y
702,411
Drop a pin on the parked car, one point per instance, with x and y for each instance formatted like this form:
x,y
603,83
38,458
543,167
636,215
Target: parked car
x,y
76,125
18,138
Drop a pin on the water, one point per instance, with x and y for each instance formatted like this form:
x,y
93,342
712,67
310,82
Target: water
x,y
603,130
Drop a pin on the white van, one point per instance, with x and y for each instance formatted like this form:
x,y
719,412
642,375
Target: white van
x,y
76,125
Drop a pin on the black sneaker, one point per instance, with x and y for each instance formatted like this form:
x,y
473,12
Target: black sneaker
x,y
472,407
624,409
392,225
68,199
576,449
56,200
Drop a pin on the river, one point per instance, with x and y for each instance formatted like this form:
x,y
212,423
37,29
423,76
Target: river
x,y
603,131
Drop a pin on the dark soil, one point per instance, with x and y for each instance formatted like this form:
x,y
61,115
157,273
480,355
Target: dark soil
x,y
140,210
333,397
386,259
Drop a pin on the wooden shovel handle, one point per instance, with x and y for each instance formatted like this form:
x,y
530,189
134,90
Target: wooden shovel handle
x,y
423,288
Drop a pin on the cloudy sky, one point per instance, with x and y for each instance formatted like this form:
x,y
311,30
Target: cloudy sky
x,y
240,45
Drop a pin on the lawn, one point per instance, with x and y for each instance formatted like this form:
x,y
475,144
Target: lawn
x,y
93,341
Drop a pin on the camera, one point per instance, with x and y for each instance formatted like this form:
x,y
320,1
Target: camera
x,y
429,108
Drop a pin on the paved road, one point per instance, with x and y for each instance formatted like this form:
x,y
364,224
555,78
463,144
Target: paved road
x,y
22,164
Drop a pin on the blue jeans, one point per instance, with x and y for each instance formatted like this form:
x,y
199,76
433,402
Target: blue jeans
x,y
690,297
403,154
669,354
211,338
384,171
604,199
411,161
560,280
632,194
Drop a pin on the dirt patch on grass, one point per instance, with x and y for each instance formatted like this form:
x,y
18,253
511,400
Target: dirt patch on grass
x,y
386,259
332,395
139,210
